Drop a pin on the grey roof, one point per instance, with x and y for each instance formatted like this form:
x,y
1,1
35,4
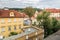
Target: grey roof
x,y
55,36
26,32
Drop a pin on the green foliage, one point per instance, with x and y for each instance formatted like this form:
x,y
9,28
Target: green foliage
x,y
21,9
54,22
39,17
18,9
55,25
13,33
50,25
44,17
29,11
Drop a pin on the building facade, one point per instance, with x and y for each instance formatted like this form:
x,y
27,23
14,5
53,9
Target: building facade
x,y
54,13
11,21
30,33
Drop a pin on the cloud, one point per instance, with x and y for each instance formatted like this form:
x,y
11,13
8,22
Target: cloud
x,y
33,3
17,0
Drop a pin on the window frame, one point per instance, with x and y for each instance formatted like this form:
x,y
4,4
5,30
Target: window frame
x,y
15,20
2,21
9,28
9,20
3,29
15,27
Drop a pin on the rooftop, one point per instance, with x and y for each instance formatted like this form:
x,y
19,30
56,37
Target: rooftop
x,y
26,32
6,14
53,10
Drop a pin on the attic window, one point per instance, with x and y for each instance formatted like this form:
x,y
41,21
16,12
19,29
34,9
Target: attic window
x,y
11,13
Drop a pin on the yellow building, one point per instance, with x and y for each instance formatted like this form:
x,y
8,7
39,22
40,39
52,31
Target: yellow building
x,y
13,21
10,21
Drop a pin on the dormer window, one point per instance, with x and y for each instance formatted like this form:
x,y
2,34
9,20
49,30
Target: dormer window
x,y
11,13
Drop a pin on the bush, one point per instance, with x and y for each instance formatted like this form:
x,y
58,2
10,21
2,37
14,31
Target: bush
x,y
13,33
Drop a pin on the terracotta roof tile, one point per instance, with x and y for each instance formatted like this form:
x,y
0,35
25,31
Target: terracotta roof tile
x,y
6,14
53,10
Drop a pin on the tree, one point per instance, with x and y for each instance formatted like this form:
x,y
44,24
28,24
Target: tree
x,y
39,18
55,24
30,12
50,25
43,17
44,21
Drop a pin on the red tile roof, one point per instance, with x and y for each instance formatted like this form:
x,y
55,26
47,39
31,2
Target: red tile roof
x,y
53,10
6,14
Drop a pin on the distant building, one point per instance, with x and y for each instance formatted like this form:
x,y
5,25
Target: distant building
x,y
54,13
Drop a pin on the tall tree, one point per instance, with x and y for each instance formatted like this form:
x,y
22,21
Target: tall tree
x,y
44,21
54,24
50,25
30,12
43,17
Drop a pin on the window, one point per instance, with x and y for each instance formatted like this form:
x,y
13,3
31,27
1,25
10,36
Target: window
x,y
26,22
15,20
9,20
2,21
9,28
2,29
14,27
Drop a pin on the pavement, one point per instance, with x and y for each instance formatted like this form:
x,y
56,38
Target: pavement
x,y
55,36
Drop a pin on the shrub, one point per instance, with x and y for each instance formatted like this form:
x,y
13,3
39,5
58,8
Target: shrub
x,y
13,33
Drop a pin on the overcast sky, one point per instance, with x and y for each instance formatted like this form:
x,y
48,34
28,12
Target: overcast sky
x,y
33,3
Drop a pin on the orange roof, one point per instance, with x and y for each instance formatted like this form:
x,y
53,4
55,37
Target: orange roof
x,y
6,14
53,10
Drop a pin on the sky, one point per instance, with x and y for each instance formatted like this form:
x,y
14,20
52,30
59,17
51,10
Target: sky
x,y
27,3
